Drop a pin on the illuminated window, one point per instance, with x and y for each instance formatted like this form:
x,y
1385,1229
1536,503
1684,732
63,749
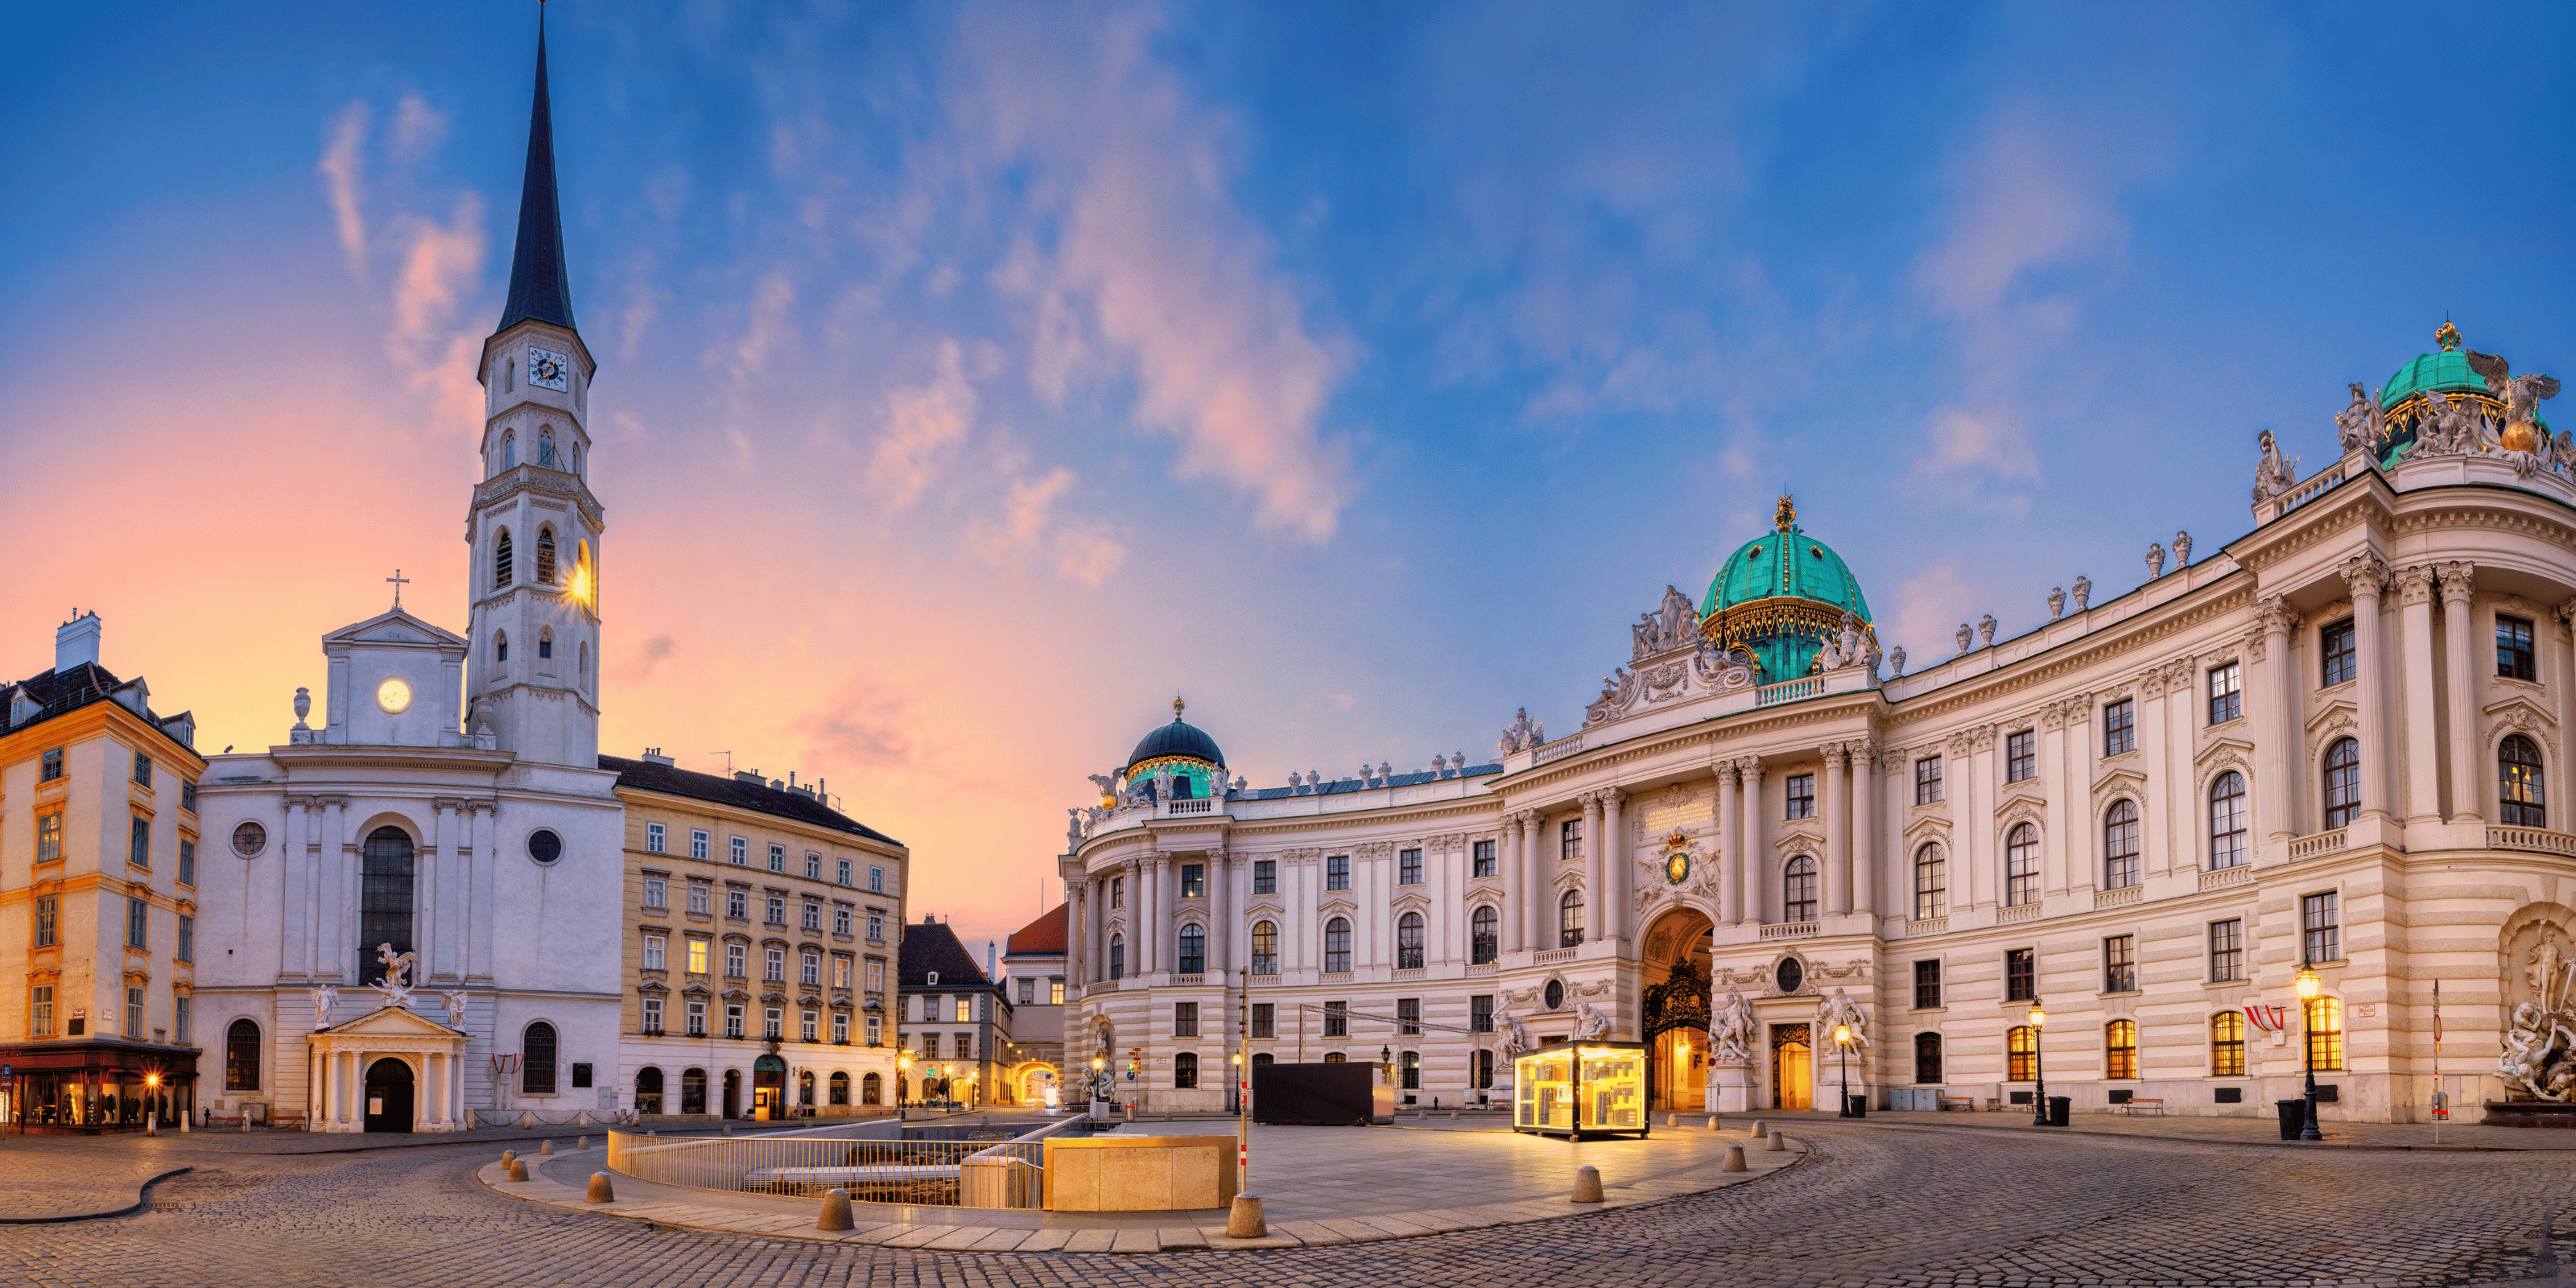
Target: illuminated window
x,y
2518,781
2120,1049
2325,1033
2120,845
2021,1053
2227,842
1931,883
2227,1045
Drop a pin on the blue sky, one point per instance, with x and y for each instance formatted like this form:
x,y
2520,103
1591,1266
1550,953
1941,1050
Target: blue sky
x,y
974,377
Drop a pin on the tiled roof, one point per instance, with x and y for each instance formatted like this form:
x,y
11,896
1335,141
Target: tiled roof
x,y
1341,785
931,946
644,775
1044,937
58,692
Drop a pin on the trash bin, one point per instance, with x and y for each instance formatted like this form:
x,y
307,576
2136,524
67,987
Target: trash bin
x,y
2057,1110
1856,1106
2294,1117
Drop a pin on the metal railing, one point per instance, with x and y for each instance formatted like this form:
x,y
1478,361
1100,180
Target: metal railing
x,y
973,1173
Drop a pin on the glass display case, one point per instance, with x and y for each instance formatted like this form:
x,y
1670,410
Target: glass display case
x,y
1581,1089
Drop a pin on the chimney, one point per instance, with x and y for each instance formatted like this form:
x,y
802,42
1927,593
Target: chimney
x,y
654,756
77,641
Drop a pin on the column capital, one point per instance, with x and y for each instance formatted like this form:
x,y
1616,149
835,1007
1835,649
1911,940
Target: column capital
x,y
2274,614
1611,796
1750,768
1591,804
2365,575
2414,584
2459,582
1837,755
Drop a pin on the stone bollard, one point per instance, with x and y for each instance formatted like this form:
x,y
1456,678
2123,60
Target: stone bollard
x,y
546,1148
527,1119
518,1169
1245,1221
581,1144
509,1156
1734,1157
1759,1131
183,1123
245,1120
728,1129
1776,1144
600,1192
151,1124
1587,1184
836,1212
1714,1124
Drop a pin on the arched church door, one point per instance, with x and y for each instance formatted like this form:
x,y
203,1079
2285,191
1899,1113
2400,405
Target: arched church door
x,y
389,1085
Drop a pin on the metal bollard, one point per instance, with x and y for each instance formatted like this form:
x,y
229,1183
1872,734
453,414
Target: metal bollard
x,y
1587,1184
836,1212
1734,1158
600,1192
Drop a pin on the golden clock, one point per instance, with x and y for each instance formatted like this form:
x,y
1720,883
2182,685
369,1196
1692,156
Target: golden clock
x,y
394,696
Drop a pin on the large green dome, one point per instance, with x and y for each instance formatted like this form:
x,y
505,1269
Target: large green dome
x,y
1780,596
2447,371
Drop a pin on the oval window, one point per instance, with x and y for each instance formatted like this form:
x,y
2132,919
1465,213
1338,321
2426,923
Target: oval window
x,y
544,846
1790,975
249,839
1555,995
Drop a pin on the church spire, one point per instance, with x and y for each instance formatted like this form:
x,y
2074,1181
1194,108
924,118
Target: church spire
x,y
539,288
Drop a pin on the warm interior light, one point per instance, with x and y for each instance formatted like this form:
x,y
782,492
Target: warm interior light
x,y
2307,982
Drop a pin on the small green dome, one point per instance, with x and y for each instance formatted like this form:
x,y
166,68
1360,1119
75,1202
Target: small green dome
x,y
1779,596
2447,371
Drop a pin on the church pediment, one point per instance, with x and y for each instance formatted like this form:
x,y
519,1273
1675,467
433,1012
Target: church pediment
x,y
389,1022
394,626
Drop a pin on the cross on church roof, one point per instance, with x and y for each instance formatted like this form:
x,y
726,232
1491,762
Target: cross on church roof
x,y
399,582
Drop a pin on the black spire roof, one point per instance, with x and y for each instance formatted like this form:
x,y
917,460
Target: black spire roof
x,y
539,288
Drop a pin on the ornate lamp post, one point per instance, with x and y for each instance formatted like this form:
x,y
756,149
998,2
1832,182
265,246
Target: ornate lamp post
x,y
2308,1048
2038,1067
902,1089
1842,1040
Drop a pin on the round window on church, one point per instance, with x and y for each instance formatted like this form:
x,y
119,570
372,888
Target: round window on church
x,y
1556,995
249,839
544,846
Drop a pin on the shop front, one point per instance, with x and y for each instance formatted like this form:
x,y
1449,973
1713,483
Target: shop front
x,y
84,1088
1581,1089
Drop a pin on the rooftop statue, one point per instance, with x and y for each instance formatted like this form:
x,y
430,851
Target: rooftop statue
x,y
2359,426
2521,397
2272,477
1674,624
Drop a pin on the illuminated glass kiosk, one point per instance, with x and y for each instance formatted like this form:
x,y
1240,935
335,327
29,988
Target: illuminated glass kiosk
x,y
1603,1082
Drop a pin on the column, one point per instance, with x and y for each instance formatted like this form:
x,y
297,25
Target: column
x,y
2064,807
1149,915
2562,784
1515,888
2368,577
2459,585
1985,872
2415,670
448,896
1830,798
1220,915
1368,890
2184,810
477,872
433,1088
317,1095
1871,854
296,869
1729,848
2278,782
1596,886
1445,886
1534,874
1752,863
1617,871
338,927
2154,733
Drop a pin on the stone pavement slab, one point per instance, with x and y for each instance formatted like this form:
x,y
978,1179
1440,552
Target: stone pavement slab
x,y
39,1189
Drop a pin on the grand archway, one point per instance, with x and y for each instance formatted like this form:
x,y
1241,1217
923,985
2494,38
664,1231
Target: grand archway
x,y
1674,962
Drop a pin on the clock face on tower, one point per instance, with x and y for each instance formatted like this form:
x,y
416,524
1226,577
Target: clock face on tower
x,y
394,696
547,368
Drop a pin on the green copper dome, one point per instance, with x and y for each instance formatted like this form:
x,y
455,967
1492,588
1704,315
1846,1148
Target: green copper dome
x,y
2446,371
1779,596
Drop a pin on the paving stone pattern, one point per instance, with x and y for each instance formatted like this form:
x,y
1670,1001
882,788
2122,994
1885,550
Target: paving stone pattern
x,y
1882,1204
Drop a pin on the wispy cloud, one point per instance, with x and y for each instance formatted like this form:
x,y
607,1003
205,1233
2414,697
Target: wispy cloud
x,y
1082,550
922,422
343,171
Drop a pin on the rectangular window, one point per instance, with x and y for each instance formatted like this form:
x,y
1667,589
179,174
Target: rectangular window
x,y
134,1012
1927,985
2227,1045
1408,1015
2119,727
774,962
40,1011
2321,927
697,957
2021,756
48,920
139,851
2120,964
1569,839
741,852
813,866
2513,648
876,926
1265,1020
188,797
1117,892
2336,651
697,843
53,765
49,837
844,873
1265,876
738,905
187,862
778,910
2226,696
653,1015
1802,796
965,1008
1185,1019
1480,1012
733,1020
2325,1033
876,1030
136,912
657,893
1484,859
2226,951
807,1028
1337,1019
876,880
1055,992
778,858
1193,880
697,898
840,1028
186,948
840,919
1931,883
653,952
734,954
697,1018
1927,780
656,839
1337,872
810,970
184,1012
814,918
841,972
2020,975
1408,867
769,1021
876,977
1028,992
143,769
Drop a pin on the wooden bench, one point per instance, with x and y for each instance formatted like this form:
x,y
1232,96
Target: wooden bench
x,y
2135,1103
1964,1104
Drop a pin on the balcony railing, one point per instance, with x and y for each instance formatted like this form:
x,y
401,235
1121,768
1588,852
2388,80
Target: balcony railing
x,y
1557,750
1550,956
2119,898
1792,930
1772,695
1481,968
2309,847
2530,838
1928,926
2222,878
1187,981
1183,809
2012,913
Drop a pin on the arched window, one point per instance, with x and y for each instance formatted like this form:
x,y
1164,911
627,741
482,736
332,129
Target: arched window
x,y
1798,890
509,450
872,1089
693,1091
1569,920
2343,782
839,1088
1337,947
546,555
510,376
2227,821
1484,937
2518,783
1927,1057
648,1090
2325,1033
2021,1054
241,1056
1193,951
384,899
576,465
1931,883
2120,1049
500,648
2021,866
545,645
1265,948
1263,1058
804,1086
546,448
537,1060
1117,956
1185,1070
501,560
2120,845
1408,941
2227,1045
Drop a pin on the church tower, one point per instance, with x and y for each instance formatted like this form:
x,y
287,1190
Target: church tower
x,y
534,527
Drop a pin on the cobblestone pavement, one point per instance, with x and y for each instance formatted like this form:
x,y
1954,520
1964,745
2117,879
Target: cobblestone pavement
x,y
1884,1204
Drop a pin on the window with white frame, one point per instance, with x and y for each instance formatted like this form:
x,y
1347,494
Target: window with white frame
x,y
769,1021
778,863
812,976
733,1019
1927,780
697,843
740,852
657,892
841,919
698,896
655,947
734,954
656,839
775,965
697,1017
652,1015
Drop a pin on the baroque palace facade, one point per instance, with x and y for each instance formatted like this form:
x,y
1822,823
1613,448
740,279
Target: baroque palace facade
x,y
2333,743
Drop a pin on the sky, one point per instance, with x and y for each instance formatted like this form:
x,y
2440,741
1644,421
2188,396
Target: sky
x,y
975,378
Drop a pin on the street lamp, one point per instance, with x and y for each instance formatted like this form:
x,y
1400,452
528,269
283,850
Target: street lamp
x,y
1842,1039
2308,1047
1099,1093
2038,1067
152,1104
902,1089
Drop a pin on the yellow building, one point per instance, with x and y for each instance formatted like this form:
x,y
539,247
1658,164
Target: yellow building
x,y
765,926
98,859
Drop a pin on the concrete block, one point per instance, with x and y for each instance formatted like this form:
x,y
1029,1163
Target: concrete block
x,y
1775,1143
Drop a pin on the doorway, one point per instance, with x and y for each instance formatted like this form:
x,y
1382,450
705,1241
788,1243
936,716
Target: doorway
x,y
389,1085
1793,1072
733,1093
768,1088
